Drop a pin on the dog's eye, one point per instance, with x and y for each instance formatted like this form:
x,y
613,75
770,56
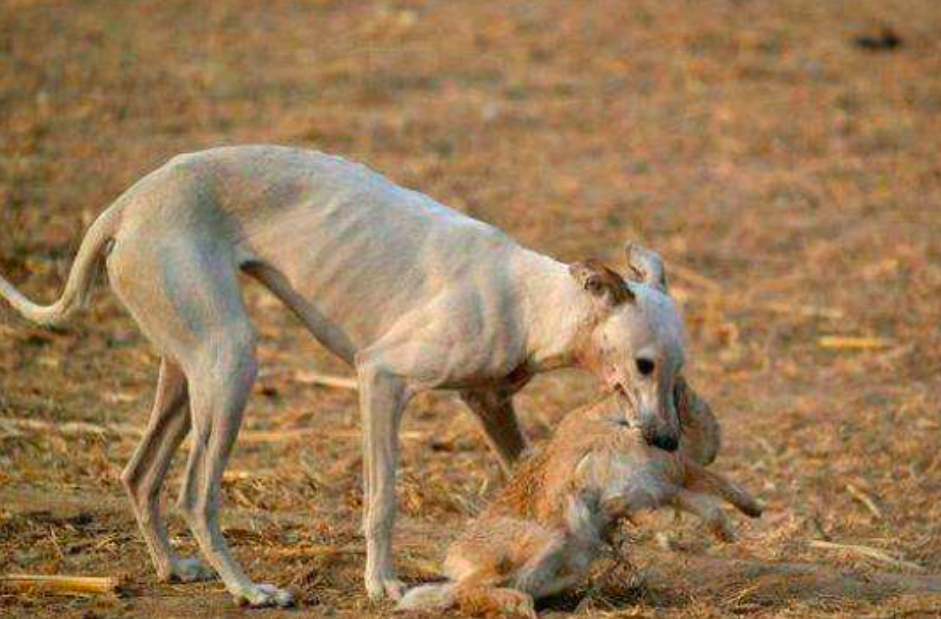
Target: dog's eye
x,y
645,366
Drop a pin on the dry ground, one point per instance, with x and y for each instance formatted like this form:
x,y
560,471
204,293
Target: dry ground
x,y
790,177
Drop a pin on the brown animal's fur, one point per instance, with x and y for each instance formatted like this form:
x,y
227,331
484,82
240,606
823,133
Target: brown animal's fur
x,y
524,495
700,435
541,533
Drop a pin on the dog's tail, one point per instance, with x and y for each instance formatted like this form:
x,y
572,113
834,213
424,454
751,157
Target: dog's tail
x,y
439,596
87,259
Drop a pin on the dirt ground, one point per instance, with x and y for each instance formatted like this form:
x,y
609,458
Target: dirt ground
x,y
782,156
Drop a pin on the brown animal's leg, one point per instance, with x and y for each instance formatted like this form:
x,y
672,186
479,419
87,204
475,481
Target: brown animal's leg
x,y
703,480
504,602
707,509
553,567
479,593
494,410
145,473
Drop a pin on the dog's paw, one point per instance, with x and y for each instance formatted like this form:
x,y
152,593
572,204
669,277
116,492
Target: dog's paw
x,y
187,570
384,588
260,596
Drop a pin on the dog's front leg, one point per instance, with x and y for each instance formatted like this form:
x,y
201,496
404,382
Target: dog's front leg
x,y
494,409
382,399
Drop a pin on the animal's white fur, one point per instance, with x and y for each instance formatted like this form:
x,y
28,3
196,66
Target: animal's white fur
x,y
411,293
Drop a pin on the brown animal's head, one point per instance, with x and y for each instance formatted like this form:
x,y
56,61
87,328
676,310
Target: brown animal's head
x,y
635,342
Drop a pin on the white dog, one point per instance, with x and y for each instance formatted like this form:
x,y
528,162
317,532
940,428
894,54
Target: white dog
x,y
412,294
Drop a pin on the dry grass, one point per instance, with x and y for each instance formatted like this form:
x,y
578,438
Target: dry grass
x,y
790,177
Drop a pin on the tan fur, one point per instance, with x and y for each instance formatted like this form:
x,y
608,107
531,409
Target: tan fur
x,y
541,533
699,429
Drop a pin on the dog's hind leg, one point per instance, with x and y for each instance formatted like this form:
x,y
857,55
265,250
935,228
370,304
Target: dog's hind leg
x,y
221,372
221,378
184,292
145,473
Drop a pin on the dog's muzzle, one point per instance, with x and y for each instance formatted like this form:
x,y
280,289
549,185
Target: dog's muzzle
x,y
666,442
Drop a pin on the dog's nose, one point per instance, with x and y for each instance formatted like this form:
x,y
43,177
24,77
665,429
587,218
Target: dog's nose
x,y
665,442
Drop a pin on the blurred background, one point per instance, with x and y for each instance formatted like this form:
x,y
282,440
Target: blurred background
x,y
782,156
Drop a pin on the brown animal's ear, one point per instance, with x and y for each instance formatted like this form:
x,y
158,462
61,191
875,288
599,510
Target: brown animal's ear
x,y
682,399
601,282
647,266
699,427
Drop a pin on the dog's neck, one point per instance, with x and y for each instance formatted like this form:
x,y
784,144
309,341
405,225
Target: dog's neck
x,y
556,313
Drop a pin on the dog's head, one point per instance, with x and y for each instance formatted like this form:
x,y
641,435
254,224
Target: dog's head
x,y
634,342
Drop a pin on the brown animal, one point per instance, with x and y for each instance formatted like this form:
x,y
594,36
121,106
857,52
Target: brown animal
x,y
542,532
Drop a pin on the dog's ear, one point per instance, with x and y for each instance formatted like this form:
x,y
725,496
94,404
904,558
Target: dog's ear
x,y
601,282
646,265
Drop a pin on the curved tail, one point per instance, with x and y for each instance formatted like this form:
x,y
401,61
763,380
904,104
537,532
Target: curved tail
x,y
438,596
87,259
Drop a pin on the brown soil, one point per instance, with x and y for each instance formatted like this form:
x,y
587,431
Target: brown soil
x,y
782,156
